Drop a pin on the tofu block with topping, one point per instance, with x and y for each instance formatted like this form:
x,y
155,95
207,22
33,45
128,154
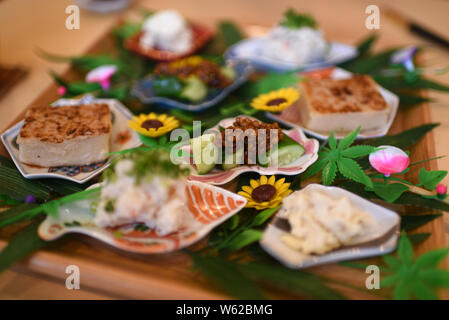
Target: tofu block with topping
x,y
65,136
342,105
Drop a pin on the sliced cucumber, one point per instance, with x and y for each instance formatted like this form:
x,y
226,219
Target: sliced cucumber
x,y
194,89
237,158
229,72
205,153
287,151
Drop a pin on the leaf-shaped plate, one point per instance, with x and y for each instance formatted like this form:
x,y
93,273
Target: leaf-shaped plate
x,y
210,206
217,176
378,240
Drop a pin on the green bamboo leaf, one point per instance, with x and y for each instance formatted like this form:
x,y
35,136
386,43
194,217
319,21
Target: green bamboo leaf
x,y
372,63
4,161
432,258
62,187
230,32
404,139
405,250
84,62
227,276
17,210
435,277
407,198
298,282
351,170
21,245
423,291
357,151
414,199
264,215
245,238
7,200
409,222
271,81
409,100
430,179
17,187
365,45
77,88
418,237
329,173
349,139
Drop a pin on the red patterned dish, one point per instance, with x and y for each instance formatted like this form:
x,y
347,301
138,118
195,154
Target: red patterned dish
x,y
201,35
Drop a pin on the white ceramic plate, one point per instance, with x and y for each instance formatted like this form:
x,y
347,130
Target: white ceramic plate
x,y
210,205
290,116
251,50
122,138
218,176
386,232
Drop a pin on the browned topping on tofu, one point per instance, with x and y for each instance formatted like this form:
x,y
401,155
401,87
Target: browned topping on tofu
x,y
357,94
56,124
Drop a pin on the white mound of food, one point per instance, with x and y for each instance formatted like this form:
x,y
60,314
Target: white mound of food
x,y
299,46
321,223
166,30
158,201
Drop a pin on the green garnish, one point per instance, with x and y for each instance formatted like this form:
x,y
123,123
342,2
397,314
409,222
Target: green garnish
x,y
141,227
110,206
148,163
294,20
74,223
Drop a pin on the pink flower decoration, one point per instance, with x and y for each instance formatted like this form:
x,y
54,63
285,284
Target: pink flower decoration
x,y
441,189
102,75
62,90
389,160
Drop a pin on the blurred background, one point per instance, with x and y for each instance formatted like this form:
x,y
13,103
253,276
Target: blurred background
x,y
26,25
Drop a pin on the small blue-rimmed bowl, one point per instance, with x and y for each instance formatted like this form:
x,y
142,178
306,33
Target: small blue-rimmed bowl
x,y
143,90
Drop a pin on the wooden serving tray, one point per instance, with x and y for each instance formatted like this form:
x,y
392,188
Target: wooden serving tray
x,y
169,276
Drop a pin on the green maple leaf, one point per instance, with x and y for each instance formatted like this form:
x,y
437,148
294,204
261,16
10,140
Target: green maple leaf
x,y
418,278
338,157
430,179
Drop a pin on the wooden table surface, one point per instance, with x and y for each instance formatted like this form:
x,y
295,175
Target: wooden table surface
x,y
27,25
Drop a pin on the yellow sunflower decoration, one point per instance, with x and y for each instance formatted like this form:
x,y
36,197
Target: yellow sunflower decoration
x,y
275,101
265,192
153,125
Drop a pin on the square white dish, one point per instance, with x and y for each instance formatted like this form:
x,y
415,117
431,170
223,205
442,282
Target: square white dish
x,y
122,138
290,117
386,235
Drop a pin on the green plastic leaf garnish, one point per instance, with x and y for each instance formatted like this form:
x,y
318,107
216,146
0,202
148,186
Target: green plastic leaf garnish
x,y
430,179
294,20
415,277
338,157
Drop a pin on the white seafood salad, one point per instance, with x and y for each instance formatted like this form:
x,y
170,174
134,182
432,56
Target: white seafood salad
x,y
296,39
145,188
